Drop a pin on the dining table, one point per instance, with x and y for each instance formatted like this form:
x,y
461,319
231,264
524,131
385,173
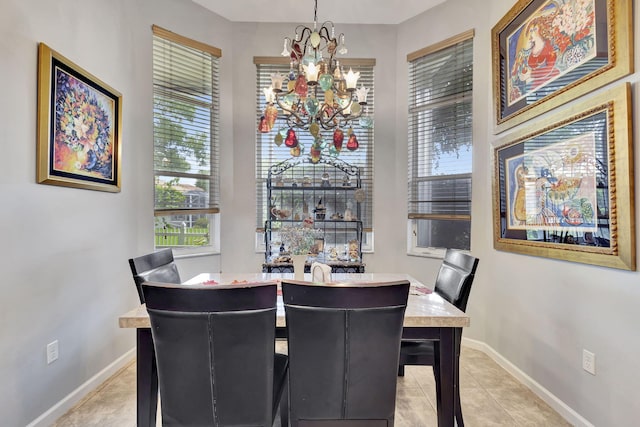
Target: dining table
x,y
428,316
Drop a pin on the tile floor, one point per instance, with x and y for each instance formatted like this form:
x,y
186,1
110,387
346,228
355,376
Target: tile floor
x,y
490,397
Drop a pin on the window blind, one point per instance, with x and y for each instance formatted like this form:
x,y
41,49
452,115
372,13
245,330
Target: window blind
x,y
186,123
268,153
440,132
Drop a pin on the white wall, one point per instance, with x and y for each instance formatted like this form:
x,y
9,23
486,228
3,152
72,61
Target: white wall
x,y
538,313
64,251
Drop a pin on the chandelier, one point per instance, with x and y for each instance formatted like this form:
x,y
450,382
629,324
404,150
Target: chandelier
x,y
317,95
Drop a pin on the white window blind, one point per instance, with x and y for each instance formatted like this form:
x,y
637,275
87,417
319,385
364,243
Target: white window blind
x,y
268,153
440,143
185,124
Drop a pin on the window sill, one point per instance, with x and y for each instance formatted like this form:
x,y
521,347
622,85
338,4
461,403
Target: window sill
x,y
185,255
427,253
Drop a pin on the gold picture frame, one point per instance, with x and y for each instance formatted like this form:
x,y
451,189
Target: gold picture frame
x,y
79,122
548,52
564,188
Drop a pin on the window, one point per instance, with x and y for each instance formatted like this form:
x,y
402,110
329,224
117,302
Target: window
x,y
440,145
185,133
268,153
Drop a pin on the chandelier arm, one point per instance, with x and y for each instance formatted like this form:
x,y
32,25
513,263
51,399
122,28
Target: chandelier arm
x,y
346,118
300,30
324,33
298,122
326,38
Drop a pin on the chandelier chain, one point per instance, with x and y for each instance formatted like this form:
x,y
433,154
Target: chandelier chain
x,y
315,12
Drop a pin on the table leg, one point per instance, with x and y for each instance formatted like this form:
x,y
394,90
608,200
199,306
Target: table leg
x,y
447,366
147,379
456,371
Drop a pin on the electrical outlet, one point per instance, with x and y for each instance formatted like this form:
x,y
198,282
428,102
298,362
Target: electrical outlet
x,y
589,362
52,352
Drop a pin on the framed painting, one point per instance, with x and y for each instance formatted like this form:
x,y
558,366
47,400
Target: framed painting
x,y
548,52
565,190
79,120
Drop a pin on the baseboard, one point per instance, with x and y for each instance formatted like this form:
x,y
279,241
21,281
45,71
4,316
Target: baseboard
x,y
558,405
60,408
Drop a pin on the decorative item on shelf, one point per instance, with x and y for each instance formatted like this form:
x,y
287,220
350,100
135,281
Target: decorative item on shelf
x,y
299,241
346,180
325,180
318,94
320,210
336,216
318,246
353,253
279,181
348,215
360,195
333,254
306,181
280,213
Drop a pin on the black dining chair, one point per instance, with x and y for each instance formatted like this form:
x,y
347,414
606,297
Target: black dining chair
x,y
453,283
344,342
155,267
215,351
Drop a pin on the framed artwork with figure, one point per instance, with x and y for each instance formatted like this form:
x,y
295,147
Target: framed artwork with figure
x,y
79,121
548,52
563,188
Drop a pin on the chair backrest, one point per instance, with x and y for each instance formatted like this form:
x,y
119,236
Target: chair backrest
x,y
455,277
344,343
215,352
155,267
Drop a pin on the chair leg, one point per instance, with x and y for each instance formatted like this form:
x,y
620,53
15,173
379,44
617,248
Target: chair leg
x,y
436,375
458,409
284,404
458,405
401,370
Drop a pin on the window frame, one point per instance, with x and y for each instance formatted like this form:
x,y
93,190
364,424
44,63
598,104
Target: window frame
x,y
211,208
414,177
282,65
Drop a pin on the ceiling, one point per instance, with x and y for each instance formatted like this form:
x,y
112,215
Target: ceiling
x,y
301,11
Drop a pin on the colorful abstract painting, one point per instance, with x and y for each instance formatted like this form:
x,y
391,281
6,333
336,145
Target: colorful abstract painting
x,y
84,126
559,37
554,187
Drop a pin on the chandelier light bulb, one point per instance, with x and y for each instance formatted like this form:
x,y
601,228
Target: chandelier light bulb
x,y
311,73
269,96
362,93
352,79
276,81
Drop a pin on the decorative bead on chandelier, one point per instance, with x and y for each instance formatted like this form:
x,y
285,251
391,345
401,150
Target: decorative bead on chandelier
x,y
318,94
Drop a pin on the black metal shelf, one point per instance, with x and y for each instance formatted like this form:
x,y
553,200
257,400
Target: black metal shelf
x,y
316,221
310,188
302,201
